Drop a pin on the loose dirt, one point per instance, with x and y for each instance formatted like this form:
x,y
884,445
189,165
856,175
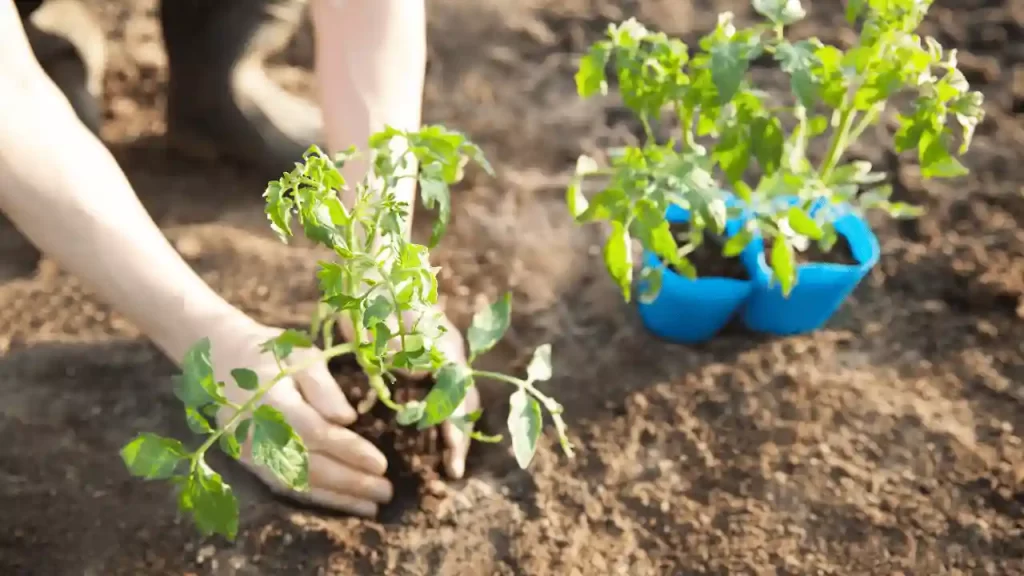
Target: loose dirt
x,y
888,443
707,259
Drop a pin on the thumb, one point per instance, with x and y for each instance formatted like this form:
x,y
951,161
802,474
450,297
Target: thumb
x,y
323,393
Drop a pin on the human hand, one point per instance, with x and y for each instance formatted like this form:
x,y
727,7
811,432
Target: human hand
x,y
451,344
345,470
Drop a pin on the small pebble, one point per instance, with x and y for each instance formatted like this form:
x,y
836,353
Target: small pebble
x,y
437,488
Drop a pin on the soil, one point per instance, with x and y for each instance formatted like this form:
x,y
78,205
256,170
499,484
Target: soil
x,y
840,253
414,456
891,442
708,259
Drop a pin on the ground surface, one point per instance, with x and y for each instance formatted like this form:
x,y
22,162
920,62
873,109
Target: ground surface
x,y
889,443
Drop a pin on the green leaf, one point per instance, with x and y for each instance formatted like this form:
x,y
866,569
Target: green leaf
x,y
574,197
153,457
590,77
830,75
936,161
245,378
730,59
799,61
651,279
735,245
451,383
767,142
197,387
488,326
211,502
197,423
854,8
410,413
229,445
465,424
278,208
343,302
783,12
783,263
524,425
281,346
539,369
379,310
434,191
242,431
276,446
654,232
727,70
802,223
618,258
732,152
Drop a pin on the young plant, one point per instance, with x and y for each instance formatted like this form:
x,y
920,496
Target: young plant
x,y
380,282
714,100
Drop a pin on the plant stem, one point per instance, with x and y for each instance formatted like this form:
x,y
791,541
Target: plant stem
x,y
248,405
866,120
838,144
553,407
647,129
686,123
398,313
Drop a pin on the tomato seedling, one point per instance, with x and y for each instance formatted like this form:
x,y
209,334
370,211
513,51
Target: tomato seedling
x,y
725,127
380,282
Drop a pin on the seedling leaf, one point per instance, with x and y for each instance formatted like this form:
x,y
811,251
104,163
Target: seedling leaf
x,y
410,413
276,446
524,425
229,445
153,457
197,422
451,384
210,501
780,12
783,264
799,61
197,387
618,258
539,369
802,223
590,78
245,378
488,326
282,345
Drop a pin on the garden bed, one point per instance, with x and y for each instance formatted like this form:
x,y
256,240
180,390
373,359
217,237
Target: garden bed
x,y
889,442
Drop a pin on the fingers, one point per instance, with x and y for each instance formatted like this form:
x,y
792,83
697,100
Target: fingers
x,y
336,477
329,439
322,392
456,440
458,449
336,501
320,495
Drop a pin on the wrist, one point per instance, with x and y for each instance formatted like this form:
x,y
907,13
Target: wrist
x,y
201,318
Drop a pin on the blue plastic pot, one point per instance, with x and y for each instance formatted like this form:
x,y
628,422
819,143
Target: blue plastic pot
x,y
821,288
692,311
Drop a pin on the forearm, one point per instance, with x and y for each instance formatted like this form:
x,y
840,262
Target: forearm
x,y
63,189
370,60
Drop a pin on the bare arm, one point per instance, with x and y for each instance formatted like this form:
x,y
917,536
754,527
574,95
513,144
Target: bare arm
x,y
371,60
64,190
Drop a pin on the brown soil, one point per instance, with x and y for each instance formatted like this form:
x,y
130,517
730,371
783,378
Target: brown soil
x,y
840,253
708,259
891,442
414,456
